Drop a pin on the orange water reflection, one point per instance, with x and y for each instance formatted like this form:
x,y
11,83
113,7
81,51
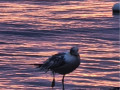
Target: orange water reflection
x,y
99,57
79,75
55,16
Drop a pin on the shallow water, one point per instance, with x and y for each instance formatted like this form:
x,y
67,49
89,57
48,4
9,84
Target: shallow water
x,y
33,30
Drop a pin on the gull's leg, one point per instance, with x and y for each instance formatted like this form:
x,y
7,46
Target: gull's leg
x,y
63,81
53,82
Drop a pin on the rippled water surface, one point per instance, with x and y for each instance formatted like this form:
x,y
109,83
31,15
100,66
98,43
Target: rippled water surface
x,y
33,30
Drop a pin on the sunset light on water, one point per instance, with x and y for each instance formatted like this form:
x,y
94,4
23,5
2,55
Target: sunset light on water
x,y
33,30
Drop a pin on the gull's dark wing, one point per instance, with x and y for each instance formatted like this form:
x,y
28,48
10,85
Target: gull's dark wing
x,y
53,62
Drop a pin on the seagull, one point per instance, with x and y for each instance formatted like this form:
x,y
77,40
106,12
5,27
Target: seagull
x,y
62,63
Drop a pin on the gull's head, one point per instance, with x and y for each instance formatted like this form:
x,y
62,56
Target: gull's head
x,y
74,51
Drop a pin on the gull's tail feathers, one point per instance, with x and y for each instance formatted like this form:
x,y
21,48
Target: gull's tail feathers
x,y
38,65
41,67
